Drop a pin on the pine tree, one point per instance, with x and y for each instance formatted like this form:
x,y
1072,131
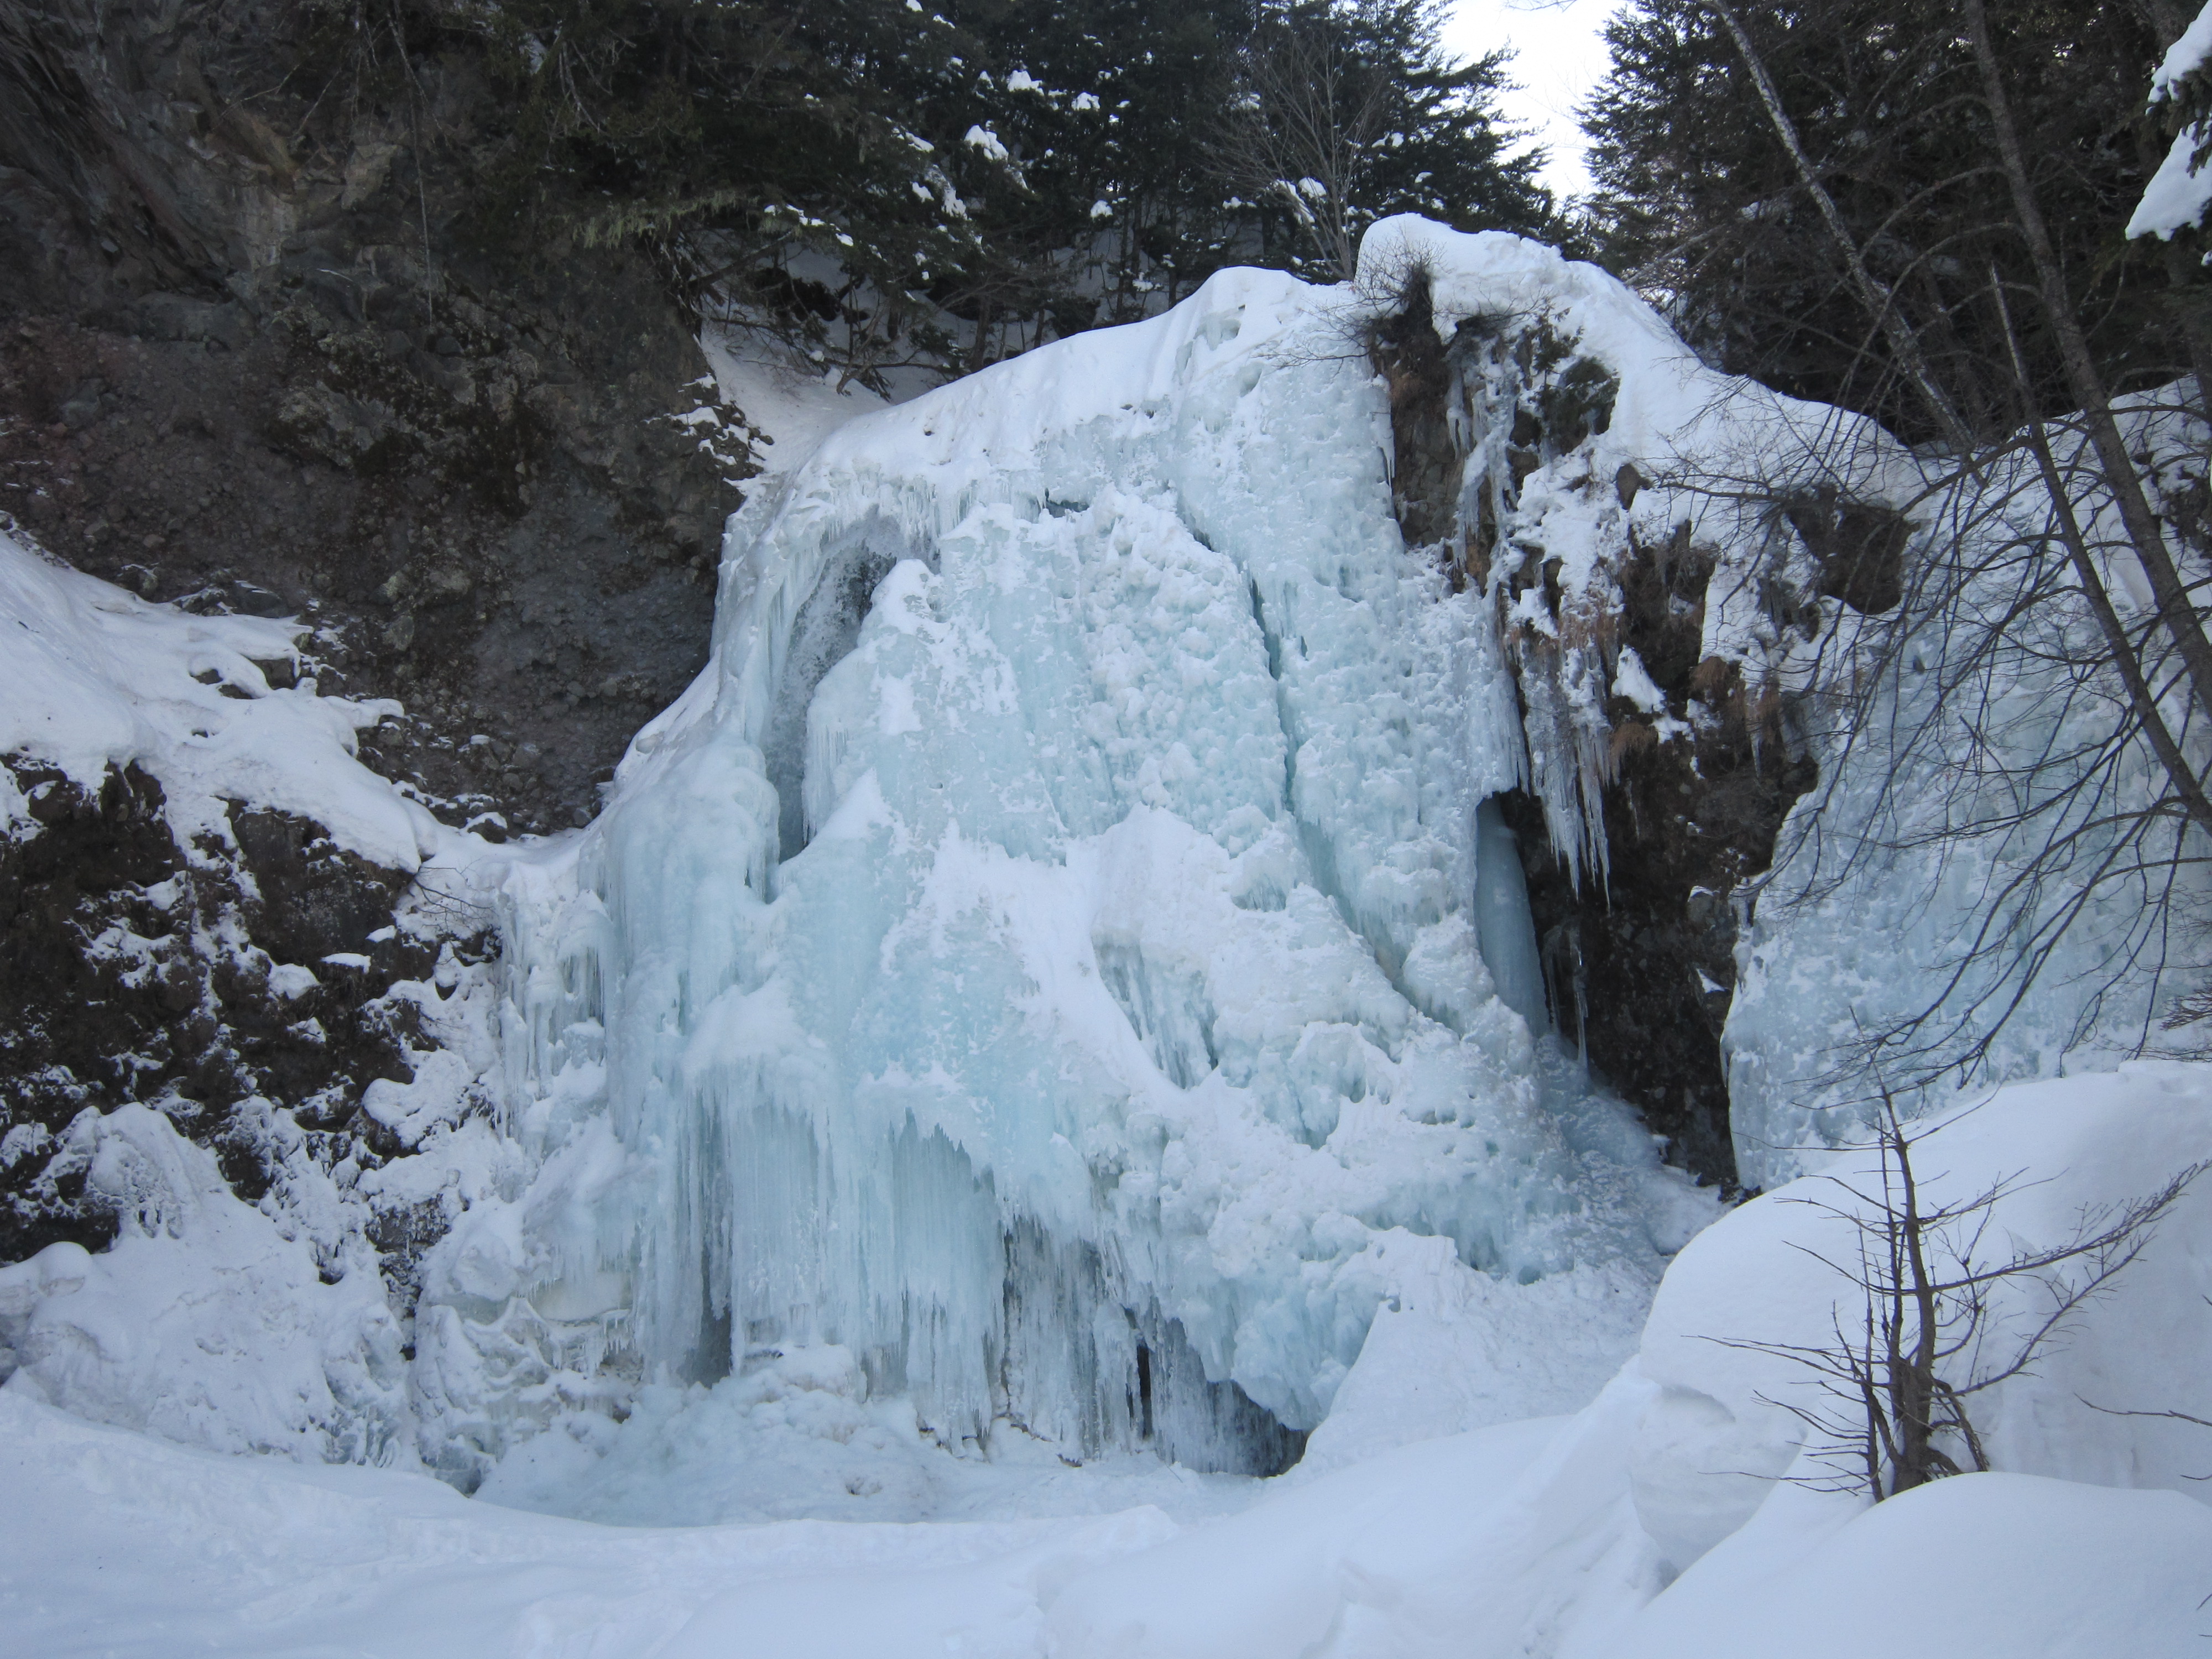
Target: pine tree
x,y
1104,106
890,182
1698,199
1352,110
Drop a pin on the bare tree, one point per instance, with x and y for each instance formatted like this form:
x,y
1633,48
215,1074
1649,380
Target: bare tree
x,y
1944,1313
1300,133
2021,705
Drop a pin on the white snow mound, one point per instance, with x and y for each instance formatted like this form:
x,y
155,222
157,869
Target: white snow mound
x,y
93,677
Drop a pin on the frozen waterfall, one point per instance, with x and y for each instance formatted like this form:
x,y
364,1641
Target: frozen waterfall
x,y
1058,951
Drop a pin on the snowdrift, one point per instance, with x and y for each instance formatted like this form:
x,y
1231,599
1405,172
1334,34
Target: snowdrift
x,y
1648,1523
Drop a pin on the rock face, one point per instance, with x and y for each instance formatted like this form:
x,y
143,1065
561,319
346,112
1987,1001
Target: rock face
x,y
257,356
1641,969
246,992
260,358
1686,782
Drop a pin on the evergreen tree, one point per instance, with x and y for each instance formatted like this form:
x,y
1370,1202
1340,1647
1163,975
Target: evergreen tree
x,y
1352,110
888,182
775,154
1103,106
1700,200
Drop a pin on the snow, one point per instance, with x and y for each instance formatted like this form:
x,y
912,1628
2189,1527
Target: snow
x,y
2184,58
2176,197
1632,680
2083,1144
1612,1529
2009,1564
791,405
210,1321
181,1551
985,143
262,1328
93,677
1370,1558
204,1322
2177,194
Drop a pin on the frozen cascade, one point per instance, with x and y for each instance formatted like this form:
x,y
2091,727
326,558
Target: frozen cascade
x,y
1054,951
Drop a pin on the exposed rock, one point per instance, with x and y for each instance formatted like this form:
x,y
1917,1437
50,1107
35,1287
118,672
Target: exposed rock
x,y
1638,933
244,990
233,374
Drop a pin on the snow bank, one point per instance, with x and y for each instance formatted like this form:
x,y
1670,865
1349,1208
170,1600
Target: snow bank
x,y
94,678
1722,1430
1995,1564
207,1321
1637,1527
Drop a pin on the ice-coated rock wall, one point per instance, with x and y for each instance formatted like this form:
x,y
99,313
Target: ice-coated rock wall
x,y
1980,892
1064,965
1055,951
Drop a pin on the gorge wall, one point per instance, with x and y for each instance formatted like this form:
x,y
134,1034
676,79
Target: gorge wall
x,y
264,361
260,350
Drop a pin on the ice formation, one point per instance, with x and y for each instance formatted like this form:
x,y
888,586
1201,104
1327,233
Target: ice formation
x,y
1976,883
1059,951
1062,967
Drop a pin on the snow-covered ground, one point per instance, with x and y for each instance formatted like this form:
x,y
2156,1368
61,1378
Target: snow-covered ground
x,y
1650,1522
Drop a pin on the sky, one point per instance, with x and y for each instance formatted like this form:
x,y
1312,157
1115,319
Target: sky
x,y
1558,58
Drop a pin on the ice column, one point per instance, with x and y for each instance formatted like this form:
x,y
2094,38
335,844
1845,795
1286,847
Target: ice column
x,y
1502,920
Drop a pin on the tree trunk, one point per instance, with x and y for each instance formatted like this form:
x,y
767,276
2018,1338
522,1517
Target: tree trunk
x,y
2176,613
